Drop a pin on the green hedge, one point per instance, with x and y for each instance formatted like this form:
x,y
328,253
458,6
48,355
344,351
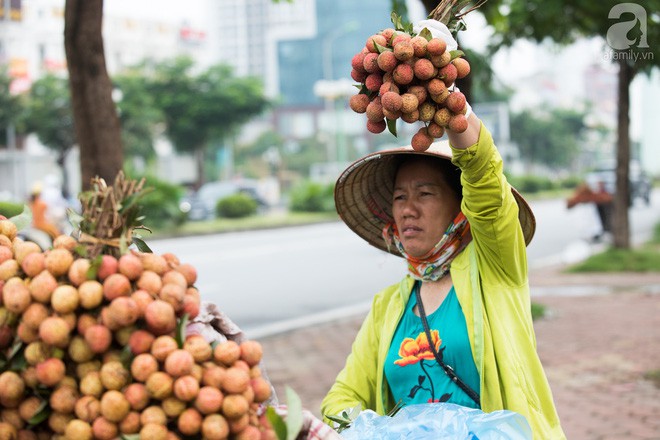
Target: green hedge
x,y
313,197
160,205
236,206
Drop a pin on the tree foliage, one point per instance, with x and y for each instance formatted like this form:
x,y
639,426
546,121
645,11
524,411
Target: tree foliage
x,y
49,114
11,106
138,114
201,109
627,28
552,138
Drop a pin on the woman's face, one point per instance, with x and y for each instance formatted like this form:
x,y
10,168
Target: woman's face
x,y
423,205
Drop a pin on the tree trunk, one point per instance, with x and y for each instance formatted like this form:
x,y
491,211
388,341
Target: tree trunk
x,y
97,125
199,160
622,200
61,162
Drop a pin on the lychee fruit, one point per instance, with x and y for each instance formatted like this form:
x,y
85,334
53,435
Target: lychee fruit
x,y
403,74
426,111
387,61
404,50
374,81
435,131
448,74
357,62
419,44
374,40
462,67
424,69
58,261
370,63
359,103
455,102
392,101
442,117
421,141
436,46
458,123
376,126
375,110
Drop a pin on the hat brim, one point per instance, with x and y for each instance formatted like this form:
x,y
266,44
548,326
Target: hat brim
x,y
363,194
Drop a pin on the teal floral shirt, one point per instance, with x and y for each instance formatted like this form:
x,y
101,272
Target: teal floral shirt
x,y
412,371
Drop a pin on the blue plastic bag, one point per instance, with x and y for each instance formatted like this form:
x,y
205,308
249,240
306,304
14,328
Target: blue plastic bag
x,y
439,421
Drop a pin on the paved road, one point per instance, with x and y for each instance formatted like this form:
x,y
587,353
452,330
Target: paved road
x,y
264,277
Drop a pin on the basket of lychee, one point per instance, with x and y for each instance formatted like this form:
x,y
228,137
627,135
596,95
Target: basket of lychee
x,y
408,73
95,346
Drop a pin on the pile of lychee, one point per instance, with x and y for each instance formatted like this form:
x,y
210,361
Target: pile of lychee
x,y
410,77
96,349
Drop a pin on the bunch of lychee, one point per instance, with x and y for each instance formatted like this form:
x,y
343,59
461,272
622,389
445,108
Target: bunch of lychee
x,y
97,350
410,77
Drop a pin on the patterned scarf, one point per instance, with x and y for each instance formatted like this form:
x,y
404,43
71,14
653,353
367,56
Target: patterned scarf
x,y
435,264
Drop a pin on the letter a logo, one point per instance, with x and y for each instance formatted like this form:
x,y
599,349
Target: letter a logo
x,y
624,34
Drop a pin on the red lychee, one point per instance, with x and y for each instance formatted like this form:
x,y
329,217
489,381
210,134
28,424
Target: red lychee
x,y
462,67
421,141
357,62
436,46
376,126
370,62
455,102
403,74
359,103
419,45
404,51
448,74
374,81
458,123
392,101
387,61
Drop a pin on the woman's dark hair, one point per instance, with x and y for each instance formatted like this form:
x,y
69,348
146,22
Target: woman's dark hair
x,y
450,172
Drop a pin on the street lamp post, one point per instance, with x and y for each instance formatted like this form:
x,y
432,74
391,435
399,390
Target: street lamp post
x,y
11,132
329,89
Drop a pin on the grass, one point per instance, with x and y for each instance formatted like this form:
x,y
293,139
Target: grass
x,y
538,311
653,376
245,224
645,258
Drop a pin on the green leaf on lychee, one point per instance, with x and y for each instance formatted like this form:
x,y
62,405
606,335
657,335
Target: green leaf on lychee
x,y
181,330
276,422
94,267
294,419
426,33
380,48
130,436
126,357
42,413
396,21
391,125
456,54
141,245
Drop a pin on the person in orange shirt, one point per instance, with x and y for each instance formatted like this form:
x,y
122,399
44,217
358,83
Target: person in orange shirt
x,y
602,200
39,210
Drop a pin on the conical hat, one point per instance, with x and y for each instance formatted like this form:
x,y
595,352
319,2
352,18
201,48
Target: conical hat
x,y
363,193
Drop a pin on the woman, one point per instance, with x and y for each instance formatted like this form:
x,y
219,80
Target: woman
x,y
464,242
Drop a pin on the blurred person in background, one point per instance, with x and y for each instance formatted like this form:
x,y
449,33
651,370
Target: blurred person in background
x,y
40,214
603,201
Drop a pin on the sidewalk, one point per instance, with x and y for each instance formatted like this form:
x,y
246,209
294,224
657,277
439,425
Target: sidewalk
x,y
601,335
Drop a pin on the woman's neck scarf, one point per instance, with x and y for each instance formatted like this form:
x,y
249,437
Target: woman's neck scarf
x,y
435,264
